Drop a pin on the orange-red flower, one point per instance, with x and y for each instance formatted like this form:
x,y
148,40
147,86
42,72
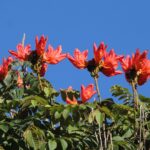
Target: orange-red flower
x,y
22,52
4,68
87,92
43,69
110,64
137,67
80,58
52,56
40,45
73,102
19,80
7,62
99,52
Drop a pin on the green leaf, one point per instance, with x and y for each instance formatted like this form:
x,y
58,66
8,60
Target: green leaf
x,y
1,100
128,134
52,144
30,139
72,129
99,117
63,144
91,117
66,113
50,134
47,91
34,137
118,138
57,115
106,111
123,107
34,103
70,93
121,93
4,127
144,99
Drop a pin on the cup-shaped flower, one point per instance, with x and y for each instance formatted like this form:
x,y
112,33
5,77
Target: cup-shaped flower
x,y
144,73
4,68
52,56
110,64
43,69
80,59
7,62
87,92
22,52
137,67
99,52
140,60
40,45
69,101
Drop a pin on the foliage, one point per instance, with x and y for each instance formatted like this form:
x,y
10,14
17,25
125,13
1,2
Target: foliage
x,y
31,119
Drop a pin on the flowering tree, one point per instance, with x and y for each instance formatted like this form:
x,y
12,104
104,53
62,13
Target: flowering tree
x,y
32,119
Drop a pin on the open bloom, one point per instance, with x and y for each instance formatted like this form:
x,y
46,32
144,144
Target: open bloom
x,y
40,45
52,56
99,52
22,52
137,67
4,68
144,73
43,69
87,92
80,59
110,64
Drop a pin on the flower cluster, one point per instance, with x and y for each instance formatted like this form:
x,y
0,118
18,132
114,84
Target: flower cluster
x,y
135,67
104,62
4,68
85,94
39,56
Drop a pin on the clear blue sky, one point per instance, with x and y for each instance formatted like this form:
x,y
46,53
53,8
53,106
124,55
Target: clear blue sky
x,y
122,25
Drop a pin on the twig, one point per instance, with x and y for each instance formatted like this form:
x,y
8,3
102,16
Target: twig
x,y
105,138
140,124
100,139
97,89
111,142
135,95
23,39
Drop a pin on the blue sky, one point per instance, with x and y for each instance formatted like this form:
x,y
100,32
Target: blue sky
x,y
122,25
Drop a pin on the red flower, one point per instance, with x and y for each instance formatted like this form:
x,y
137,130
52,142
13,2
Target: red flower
x,y
99,52
110,64
68,100
19,80
40,45
7,62
87,92
137,67
4,68
73,102
43,69
53,56
79,59
22,52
